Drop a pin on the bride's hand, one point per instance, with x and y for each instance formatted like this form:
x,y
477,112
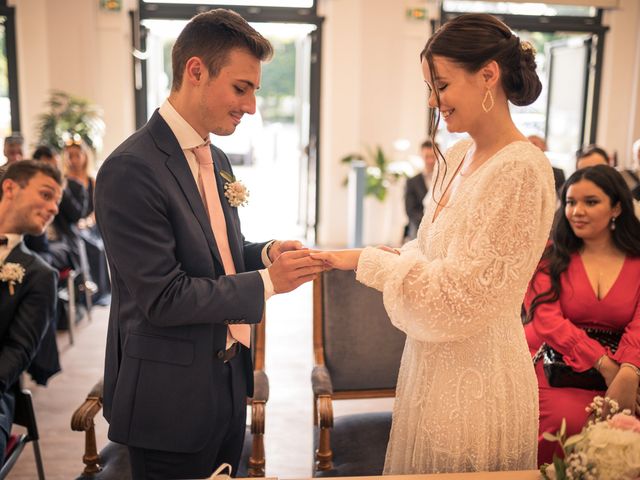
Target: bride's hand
x,y
340,259
388,249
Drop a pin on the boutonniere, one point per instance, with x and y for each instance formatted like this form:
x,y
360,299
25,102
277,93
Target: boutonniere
x,y
235,191
11,273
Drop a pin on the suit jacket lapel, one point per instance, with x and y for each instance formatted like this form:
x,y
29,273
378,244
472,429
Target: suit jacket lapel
x,y
232,233
177,164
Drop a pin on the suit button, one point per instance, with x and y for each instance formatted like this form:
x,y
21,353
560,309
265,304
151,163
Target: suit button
x,y
220,354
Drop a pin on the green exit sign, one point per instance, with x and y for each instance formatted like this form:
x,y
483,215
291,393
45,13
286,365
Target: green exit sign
x,y
416,13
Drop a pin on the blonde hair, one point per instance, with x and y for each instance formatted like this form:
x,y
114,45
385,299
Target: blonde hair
x,y
88,159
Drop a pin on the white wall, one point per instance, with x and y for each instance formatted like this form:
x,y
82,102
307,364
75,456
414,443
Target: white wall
x,y
372,87
372,94
74,46
619,119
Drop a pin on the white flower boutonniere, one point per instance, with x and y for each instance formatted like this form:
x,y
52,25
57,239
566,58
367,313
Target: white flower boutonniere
x,y
11,273
236,193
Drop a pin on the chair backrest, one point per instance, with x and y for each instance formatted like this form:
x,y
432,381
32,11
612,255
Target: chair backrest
x,y
24,415
353,335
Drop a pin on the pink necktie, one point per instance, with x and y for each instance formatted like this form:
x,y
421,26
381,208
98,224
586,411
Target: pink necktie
x,y
209,188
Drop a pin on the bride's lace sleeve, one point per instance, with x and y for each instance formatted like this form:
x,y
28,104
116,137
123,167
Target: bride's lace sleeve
x,y
495,239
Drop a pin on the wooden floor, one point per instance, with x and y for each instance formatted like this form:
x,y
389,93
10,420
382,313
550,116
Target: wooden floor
x,y
288,437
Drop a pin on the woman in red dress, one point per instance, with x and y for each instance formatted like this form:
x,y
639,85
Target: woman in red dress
x,y
589,277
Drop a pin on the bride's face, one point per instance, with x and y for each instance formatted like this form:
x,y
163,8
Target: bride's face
x,y
460,93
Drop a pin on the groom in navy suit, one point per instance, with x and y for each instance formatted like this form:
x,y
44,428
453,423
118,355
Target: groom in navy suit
x,y
177,374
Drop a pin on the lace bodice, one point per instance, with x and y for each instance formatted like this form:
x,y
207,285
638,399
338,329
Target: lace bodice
x,y
466,375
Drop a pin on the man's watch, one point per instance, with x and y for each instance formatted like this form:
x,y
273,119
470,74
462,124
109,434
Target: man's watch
x,y
269,249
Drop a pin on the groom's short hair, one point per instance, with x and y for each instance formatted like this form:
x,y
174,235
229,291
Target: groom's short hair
x,y
211,36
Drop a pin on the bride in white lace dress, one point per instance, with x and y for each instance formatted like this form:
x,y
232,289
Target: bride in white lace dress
x,y
466,398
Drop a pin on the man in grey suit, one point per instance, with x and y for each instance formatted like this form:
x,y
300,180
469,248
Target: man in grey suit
x,y
176,379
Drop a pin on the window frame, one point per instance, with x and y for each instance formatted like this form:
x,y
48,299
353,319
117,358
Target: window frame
x,y
12,63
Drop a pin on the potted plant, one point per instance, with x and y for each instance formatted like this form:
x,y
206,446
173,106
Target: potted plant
x,y
70,119
382,221
378,175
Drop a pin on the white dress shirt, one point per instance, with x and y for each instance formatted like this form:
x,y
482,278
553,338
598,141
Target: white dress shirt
x,y
188,139
13,240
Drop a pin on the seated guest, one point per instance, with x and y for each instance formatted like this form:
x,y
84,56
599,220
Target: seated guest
x,y
47,154
588,278
13,148
417,188
558,173
73,207
57,254
29,196
76,168
632,175
591,155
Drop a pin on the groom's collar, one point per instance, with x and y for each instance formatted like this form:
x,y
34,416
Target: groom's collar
x,y
186,135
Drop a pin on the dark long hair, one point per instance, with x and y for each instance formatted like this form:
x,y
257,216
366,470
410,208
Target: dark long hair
x,y
473,40
557,255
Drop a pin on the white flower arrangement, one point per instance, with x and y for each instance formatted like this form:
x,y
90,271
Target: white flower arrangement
x,y
12,273
234,190
606,449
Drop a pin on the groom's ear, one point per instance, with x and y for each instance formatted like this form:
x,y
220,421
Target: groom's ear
x,y
193,71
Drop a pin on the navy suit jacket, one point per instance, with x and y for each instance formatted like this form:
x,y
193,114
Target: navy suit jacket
x,y
171,303
25,315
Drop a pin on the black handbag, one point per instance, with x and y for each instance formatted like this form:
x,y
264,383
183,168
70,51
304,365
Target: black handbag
x,y
559,374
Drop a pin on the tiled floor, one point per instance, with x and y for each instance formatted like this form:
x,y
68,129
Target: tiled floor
x,y
288,437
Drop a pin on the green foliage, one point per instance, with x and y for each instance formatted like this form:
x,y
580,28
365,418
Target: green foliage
x,y
68,120
279,75
278,83
378,176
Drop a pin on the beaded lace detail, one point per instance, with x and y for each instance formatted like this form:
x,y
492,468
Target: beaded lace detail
x,y
467,395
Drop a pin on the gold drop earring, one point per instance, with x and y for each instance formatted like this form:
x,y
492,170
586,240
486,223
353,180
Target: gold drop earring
x,y
488,97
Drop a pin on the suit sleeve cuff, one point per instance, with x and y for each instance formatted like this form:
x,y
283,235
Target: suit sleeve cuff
x,y
268,285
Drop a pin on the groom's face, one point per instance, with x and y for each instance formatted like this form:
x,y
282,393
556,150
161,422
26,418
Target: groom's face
x,y
232,93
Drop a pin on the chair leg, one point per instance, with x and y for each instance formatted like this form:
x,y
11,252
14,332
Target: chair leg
x,y
324,455
90,457
256,459
38,457
71,310
88,294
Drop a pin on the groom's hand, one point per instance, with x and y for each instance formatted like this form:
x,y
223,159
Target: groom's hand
x,y
292,268
280,246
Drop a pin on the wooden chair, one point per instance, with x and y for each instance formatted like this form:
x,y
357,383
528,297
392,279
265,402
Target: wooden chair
x,y
113,460
25,416
357,355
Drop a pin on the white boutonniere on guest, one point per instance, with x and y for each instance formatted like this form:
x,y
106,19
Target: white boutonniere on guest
x,y
234,190
11,273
